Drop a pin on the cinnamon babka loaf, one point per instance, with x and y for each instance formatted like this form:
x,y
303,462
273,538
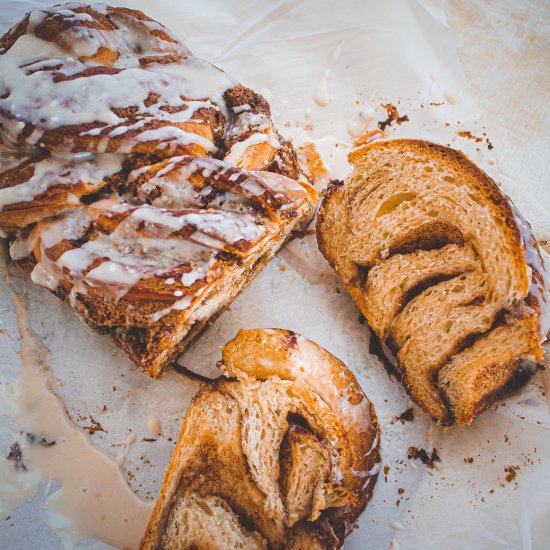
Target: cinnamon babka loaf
x,y
445,270
282,453
138,182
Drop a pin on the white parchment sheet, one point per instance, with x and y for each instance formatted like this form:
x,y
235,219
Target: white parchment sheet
x,y
326,68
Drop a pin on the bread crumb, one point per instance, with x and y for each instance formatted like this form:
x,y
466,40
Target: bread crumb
x,y
429,460
511,473
393,116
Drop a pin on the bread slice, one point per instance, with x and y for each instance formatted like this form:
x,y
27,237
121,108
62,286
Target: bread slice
x,y
444,269
304,465
279,458
207,522
103,79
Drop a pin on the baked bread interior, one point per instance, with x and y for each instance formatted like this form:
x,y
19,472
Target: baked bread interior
x,y
282,452
444,269
139,183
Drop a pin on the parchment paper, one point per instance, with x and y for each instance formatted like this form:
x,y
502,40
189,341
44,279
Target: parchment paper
x,y
399,52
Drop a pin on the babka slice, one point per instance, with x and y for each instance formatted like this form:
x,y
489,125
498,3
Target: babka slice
x,y
283,452
444,269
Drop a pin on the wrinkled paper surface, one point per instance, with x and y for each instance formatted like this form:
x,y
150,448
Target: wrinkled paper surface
x,y
370,53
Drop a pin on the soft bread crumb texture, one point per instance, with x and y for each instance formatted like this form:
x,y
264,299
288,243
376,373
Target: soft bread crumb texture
x,y
434,255
207,522
275,460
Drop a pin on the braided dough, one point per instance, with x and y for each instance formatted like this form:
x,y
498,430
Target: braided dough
x,y
139,183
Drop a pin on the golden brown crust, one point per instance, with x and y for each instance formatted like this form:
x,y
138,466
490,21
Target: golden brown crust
x,y
479,179
211,178
264,361
283,353
54,25
39,186
123,38
145,345
393,172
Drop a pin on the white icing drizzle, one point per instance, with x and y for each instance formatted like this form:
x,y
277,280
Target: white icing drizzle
x,y
223,226
197,274
454,97
322,95
41,83
253,188
241,108
305,360
31,47
144,244
137,34
248,120
57,170
277,183
305,357
534,260
39,100
121,458
143,86
154,426
174,181
334,58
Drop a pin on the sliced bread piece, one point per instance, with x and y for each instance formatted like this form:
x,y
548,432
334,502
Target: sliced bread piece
x,y
154,277
281,458
112,191
439,262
